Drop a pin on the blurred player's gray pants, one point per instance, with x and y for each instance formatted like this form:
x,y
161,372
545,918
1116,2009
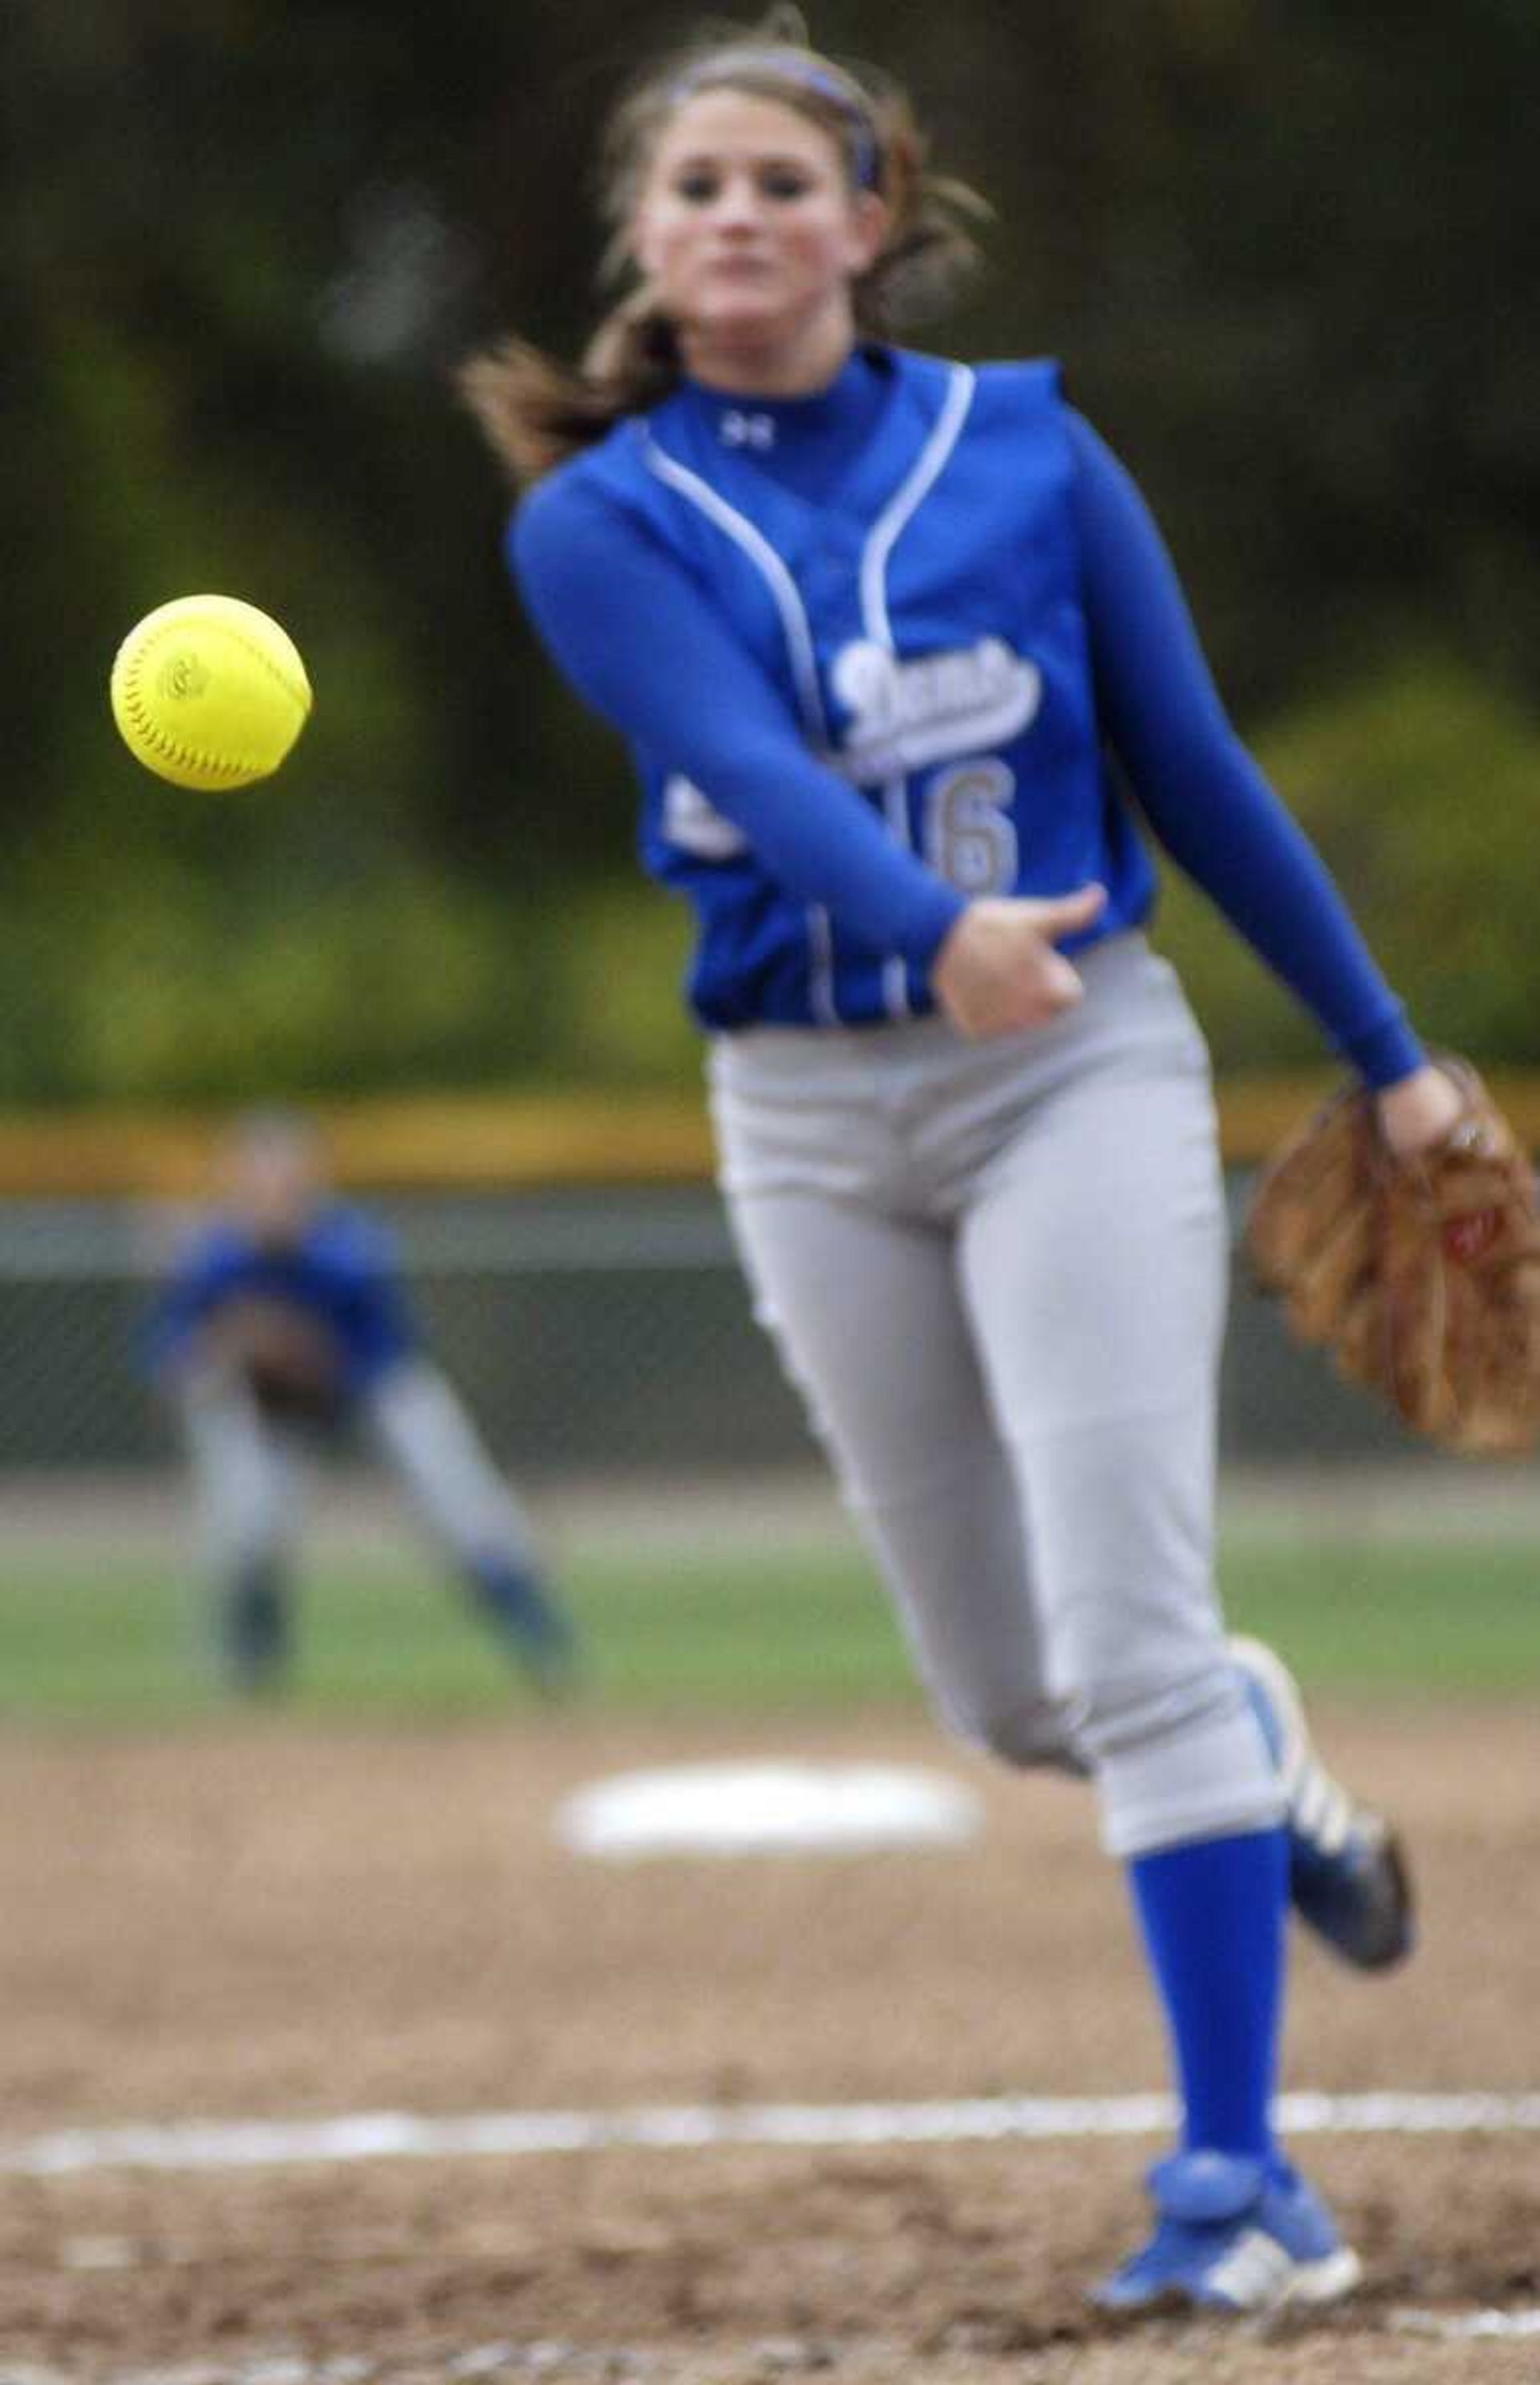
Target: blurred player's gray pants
x,y
253,1476
997,1271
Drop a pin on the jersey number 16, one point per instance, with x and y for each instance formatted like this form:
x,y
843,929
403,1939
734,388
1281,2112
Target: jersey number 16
x,y
970,838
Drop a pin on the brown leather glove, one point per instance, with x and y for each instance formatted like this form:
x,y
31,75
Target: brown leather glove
x,y
1421,1277
287,1359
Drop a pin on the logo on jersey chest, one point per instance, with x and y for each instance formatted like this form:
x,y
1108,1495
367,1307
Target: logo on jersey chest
x,y
906,714
735,428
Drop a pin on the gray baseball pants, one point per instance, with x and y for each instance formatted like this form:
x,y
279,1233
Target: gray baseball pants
x,y
253,1477
997,1273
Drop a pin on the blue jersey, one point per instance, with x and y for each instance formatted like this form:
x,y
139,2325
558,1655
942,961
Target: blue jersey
x,y
339,1273
924,621
872,649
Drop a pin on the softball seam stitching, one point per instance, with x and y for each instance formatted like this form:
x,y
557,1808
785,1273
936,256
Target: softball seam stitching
x,y
158,740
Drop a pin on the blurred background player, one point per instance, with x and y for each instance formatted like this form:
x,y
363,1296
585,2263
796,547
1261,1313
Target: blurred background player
x,y
284,1322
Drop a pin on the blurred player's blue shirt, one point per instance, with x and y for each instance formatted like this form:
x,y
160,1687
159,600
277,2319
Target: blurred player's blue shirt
x,y
341,1271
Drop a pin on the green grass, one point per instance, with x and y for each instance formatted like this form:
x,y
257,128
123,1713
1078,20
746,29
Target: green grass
x,y
1456,1619
746,1630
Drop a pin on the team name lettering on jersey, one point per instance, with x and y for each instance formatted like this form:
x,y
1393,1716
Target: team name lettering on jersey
x,y
906,714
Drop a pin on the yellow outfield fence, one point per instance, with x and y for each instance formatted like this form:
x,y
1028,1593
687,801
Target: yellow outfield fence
x,y
436,1143
512,1142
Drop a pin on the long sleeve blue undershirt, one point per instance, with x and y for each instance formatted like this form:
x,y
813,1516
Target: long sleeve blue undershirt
x,y
590,575
1204,796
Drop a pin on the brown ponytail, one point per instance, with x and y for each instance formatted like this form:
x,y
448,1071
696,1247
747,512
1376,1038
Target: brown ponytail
x,y
536,411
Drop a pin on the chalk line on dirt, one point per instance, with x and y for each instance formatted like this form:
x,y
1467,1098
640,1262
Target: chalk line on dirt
x,y
403,2136
1467,2326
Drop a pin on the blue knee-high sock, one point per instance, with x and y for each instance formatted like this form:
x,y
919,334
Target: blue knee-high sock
x,y
517,1601
253,1626
1213,1916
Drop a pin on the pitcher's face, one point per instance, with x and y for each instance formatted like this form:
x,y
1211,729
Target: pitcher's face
x,y
748,229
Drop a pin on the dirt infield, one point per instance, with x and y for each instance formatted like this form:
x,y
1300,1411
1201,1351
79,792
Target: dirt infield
x,y
256,1920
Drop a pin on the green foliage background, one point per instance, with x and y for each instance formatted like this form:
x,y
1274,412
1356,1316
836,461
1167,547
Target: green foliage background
x,y
1286,253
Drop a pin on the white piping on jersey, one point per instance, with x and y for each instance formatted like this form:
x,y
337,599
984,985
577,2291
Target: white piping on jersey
x,y
895,986
880,543
895,968
820,937
783,587
884,534
797,634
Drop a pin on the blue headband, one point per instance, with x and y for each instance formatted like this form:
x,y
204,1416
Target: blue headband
x,y
864,156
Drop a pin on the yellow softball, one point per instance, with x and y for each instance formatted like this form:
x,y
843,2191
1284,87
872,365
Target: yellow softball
x,y
209,692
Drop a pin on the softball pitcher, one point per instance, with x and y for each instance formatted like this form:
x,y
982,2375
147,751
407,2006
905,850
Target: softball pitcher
x,y
281,1323
874,625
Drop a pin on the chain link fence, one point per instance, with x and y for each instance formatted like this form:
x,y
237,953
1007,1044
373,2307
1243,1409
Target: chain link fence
x,y
589,1331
